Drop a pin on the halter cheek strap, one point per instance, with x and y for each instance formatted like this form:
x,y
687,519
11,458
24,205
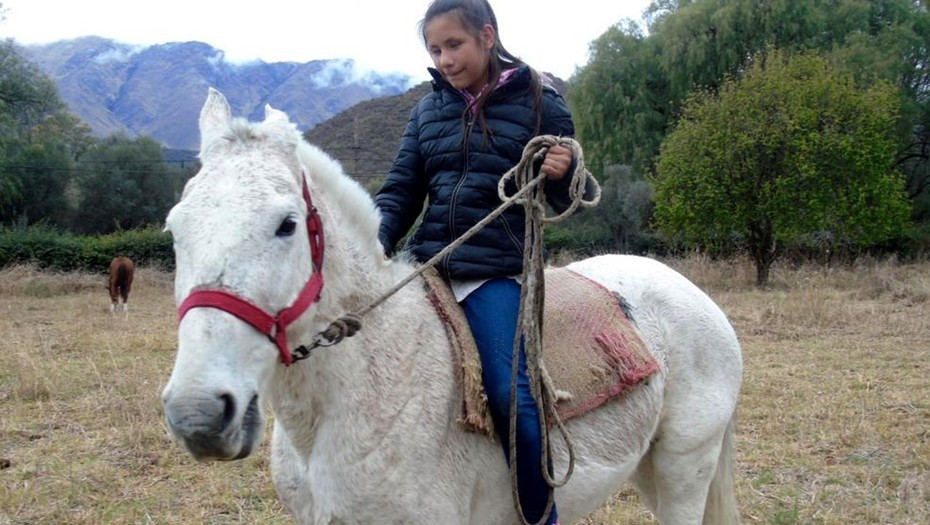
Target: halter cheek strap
x,y
272,326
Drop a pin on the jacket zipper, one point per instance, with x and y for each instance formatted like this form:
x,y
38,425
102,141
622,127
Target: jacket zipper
x,y
513,238
455,191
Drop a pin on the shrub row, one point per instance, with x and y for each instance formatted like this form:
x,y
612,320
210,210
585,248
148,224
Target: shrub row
x,y
47,247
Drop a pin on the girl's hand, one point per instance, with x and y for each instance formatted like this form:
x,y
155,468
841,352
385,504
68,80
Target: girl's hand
x,y
558,160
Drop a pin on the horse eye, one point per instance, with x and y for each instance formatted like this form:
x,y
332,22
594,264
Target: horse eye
x,y
287,228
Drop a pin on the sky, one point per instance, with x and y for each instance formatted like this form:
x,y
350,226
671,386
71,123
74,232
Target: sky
x,y
550,35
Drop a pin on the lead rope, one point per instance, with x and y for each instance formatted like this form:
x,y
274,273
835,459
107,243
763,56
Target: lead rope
x,y
532,296
532,300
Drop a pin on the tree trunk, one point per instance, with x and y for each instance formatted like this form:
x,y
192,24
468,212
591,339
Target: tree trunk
x,y
616,231
763,250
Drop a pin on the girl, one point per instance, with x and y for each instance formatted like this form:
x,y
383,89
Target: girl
x,y
486,104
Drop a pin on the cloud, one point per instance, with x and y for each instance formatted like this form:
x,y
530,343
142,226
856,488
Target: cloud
x,y
119,53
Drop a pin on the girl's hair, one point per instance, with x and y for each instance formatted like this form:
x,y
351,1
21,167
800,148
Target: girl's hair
x,y
474,15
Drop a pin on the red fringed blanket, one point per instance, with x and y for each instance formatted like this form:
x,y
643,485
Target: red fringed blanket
x,y
592,349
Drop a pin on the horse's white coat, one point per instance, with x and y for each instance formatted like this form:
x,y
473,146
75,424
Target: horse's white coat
x,y
365,432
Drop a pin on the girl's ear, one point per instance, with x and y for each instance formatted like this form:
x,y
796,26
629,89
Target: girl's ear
x,y
488,37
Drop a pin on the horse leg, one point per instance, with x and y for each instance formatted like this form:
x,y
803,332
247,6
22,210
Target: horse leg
x,y
289,474
124,290
643,480
682,470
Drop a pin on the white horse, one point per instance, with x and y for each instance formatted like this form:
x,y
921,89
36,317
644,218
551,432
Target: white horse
x,y
366,431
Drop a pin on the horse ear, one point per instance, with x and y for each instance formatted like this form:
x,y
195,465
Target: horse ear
x,y
278,120
215,117
275,115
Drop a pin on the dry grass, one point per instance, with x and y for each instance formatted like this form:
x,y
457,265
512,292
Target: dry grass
x,y
81,432
834,415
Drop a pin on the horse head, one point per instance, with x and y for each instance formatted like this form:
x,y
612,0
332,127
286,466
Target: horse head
x,y
249,272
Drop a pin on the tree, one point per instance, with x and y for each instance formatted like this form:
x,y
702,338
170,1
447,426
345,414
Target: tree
x,y
123,183
620,100
27,99
27,96
44,168
792,148
632,90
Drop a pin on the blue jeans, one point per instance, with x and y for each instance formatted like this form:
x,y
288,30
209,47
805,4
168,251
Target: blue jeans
x,y
492,312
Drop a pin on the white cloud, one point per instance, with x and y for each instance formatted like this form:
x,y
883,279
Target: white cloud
x,y
117,54
377,34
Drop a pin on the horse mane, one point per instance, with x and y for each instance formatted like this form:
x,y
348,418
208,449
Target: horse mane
x,y
356,205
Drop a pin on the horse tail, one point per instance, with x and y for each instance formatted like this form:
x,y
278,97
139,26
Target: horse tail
x,y
721,507
114,281
125,278
121,273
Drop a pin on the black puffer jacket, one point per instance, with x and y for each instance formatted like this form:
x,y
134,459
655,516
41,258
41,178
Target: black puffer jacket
x,y
459,181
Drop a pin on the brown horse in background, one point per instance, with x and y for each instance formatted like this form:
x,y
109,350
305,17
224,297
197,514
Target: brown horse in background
x,y
121,270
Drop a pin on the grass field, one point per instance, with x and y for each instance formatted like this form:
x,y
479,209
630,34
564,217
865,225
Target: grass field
x,y
834,418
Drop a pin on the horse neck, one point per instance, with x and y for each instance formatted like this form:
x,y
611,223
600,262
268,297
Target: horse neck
x,y
386,379
363,379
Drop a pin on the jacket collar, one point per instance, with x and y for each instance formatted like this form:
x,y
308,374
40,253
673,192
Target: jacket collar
x,y
520,77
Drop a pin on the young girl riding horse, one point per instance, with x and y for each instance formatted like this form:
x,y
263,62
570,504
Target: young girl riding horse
x,y
485,106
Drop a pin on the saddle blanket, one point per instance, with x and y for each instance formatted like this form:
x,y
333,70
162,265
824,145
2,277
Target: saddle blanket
x,y
591,346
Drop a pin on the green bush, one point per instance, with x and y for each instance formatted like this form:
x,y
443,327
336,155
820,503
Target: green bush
x,y
47,247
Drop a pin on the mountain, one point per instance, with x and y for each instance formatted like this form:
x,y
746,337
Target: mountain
x,y
158,90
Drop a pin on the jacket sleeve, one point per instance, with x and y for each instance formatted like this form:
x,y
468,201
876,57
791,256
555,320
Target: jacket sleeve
x,y
400,199
557,121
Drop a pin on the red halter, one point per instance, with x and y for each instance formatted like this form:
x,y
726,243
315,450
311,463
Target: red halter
x,y
275,327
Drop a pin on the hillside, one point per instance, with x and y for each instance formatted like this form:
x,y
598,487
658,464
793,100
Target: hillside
x,y
365,137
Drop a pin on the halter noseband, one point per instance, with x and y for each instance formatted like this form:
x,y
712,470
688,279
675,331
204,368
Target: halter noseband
x,y
273,326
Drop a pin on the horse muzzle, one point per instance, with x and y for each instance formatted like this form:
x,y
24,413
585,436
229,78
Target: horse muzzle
x,y
214,427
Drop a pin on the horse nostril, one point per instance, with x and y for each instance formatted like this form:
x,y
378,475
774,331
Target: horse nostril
x,y
229,410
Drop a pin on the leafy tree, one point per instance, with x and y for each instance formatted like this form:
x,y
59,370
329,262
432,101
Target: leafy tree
x,y
43,169
620,100
626,209
27,96
123,184
792,148
633,88
27,99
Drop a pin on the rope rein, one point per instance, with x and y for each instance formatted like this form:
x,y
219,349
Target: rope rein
x,y
350,323
532,300
531,195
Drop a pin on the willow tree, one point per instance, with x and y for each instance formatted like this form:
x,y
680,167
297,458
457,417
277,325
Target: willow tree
x,y
620,101
793,148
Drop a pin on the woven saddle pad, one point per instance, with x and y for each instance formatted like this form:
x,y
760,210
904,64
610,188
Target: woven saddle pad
x,y
591,347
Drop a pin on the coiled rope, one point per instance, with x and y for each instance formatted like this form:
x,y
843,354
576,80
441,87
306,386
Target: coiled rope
x,y
532,299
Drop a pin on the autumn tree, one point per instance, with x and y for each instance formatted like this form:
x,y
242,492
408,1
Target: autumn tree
x,y
792,148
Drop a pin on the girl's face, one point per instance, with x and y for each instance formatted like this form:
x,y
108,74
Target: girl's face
x,y
458,54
